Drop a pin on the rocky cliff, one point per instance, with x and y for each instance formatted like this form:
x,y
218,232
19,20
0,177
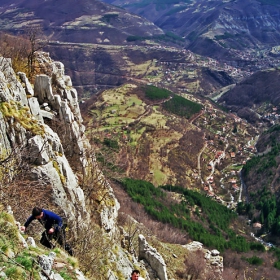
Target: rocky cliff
x,y
41,126
46,124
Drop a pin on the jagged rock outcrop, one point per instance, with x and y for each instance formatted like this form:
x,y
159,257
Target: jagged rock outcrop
x,y
212,257
154,259
47,123
20,128
56,95
215,260
194,246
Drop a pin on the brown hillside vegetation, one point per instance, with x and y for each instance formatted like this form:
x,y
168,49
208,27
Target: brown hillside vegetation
x,y
152,138
261,87
136,138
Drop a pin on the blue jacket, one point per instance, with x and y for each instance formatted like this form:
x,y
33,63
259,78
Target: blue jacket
x,y
49,220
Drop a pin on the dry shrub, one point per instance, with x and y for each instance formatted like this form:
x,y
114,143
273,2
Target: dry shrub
x,y
197,268
22,196
236,268
16,48
19,191
91,248
195,264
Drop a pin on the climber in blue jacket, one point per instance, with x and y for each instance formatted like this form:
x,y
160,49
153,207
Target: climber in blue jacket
x,y
55,230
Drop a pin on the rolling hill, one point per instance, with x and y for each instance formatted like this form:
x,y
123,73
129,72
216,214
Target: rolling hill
x,y
255,97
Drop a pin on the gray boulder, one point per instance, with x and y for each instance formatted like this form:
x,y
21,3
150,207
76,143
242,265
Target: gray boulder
x,y
154,259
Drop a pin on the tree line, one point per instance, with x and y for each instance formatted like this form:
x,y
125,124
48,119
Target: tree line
x,y
200,217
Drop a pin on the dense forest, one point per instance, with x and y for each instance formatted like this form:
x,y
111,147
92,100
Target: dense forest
x,y
182,107
200,217
262,179
176,104
155,93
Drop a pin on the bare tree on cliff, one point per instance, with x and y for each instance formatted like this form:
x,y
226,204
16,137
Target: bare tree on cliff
x,y
16,48
37,42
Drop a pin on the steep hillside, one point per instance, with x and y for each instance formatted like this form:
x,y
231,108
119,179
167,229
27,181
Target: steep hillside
x,y
42,145
135,135
263,170
255,98
46,159
140,134
26,260
43,142
261,177
219,25
95,67
91,21
103,46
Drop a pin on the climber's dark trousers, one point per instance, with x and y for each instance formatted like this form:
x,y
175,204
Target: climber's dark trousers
x,y
59,237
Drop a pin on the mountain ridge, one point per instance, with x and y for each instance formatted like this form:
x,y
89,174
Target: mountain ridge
x,y
57,19
225,24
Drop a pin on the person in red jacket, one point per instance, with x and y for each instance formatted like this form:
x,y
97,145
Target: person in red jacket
x,y
54,228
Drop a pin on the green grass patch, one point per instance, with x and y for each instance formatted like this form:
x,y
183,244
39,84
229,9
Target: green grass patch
x,y
236,167
134,100
64,274
257,247
26,261
159,177
254,260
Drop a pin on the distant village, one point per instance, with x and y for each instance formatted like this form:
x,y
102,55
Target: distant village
x,y
247,62
230,146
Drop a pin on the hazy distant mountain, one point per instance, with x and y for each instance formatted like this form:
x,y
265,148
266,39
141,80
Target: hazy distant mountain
x,y
83,21
71,27
212,27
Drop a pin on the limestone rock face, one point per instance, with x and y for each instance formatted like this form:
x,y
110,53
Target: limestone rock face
x,y
10,87
43,88
194,246
31,242
154,259
50,129
27,85
215,260
46,264
108,215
